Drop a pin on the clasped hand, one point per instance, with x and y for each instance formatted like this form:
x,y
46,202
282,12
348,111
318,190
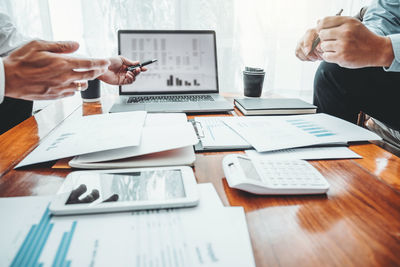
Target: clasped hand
x,y
346,42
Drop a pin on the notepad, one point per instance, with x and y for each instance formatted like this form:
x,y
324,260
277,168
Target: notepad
x,y
215,135
274,106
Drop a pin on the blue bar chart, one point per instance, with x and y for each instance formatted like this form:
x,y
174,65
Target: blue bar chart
x,y
35,241
310,127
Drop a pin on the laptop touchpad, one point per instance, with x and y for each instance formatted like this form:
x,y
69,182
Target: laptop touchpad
x,y
168,107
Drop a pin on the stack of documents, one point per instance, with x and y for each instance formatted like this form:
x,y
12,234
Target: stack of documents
x,y
118,140
207,235
276,133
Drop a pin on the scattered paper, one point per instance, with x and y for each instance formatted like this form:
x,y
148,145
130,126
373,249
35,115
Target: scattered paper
x,y
207,235
281,132
333,152
161,132
76,136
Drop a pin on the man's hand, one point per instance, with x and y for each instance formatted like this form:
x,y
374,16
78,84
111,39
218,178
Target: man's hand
x,y
39,70
304,47
117,73
347,42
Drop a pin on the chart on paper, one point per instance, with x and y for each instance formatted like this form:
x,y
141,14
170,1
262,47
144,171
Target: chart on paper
x,y
198,236
282,132
185,61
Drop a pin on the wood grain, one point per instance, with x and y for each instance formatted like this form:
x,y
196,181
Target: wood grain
x,y
352,225
16,143
357,223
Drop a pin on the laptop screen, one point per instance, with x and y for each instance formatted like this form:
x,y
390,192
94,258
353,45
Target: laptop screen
x,y
186,61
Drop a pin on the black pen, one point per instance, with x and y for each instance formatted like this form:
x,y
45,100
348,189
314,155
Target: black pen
x,y
131,68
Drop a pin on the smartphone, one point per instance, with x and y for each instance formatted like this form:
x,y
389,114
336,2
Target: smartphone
x,y
126,190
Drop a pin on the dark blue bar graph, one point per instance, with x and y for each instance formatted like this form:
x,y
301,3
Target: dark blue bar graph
x,y
35,241
310,128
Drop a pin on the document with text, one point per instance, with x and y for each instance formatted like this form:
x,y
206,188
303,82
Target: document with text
x,y
326,152
207,235
269,133
161,132
81,135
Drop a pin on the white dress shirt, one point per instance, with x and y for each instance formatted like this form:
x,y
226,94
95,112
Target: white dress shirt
x,y
9,40
383,18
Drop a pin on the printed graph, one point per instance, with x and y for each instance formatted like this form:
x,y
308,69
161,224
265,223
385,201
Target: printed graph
x,y
310,127
35,241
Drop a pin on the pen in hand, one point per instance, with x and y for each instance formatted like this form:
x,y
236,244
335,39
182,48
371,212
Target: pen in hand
x,y
131,68
317,40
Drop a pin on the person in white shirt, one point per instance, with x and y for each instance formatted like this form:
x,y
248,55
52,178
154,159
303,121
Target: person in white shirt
x,y
39,70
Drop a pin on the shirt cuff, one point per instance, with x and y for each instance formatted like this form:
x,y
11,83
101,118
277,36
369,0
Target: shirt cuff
x,y
2,81
395,66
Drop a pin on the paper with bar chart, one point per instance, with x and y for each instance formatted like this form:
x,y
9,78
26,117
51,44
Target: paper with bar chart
x,y
186,62
269,133
207,235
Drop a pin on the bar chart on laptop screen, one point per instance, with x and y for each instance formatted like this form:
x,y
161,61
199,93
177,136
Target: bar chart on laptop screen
x,y
186,62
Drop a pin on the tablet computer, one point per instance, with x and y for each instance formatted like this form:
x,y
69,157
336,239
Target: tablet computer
x,y
126,190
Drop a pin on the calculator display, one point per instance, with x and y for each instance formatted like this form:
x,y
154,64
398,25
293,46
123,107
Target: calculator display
x,y
248,169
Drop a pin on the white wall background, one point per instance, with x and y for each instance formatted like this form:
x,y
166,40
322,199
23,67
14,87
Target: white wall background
x,y
260,33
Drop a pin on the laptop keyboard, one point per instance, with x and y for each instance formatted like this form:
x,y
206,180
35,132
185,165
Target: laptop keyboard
x,y
169,98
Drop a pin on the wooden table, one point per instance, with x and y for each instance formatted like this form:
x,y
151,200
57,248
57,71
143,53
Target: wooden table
x,y
356,223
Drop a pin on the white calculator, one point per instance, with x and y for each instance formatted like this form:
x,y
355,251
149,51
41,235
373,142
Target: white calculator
x,y
273,176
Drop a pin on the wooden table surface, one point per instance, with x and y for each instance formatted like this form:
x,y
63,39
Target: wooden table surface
x,y
357,223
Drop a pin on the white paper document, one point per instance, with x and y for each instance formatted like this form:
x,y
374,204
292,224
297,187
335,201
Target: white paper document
x,y
215,134
281,132
308,153
207,235
161,132
184,156
76,136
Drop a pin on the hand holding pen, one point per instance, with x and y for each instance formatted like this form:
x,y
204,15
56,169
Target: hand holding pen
x,y
307,48
118,72
318,40
141,65
124,71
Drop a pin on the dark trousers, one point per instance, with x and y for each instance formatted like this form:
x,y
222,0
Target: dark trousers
x,y
345,92
13,111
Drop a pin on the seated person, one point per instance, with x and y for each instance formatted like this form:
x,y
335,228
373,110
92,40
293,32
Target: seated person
x,y
361,64
40,70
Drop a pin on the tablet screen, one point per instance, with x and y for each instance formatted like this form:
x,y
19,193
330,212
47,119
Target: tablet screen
x,y
134,186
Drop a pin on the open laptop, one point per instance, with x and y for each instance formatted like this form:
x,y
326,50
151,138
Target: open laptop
x,y
184,79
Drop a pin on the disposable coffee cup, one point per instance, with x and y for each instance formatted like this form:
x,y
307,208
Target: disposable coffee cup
x,y
253,81
92,93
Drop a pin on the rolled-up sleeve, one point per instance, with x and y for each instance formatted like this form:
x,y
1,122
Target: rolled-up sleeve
x,y
383,18
395,38
10,39
2,81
